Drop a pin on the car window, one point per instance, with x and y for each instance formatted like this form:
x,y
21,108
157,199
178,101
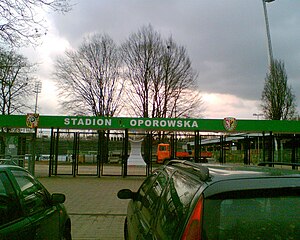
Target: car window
x,y
162,148
144,189
2,188
241,216
175,204
9,206
153,193
34,196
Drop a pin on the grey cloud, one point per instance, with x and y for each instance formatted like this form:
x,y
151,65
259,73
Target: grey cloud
x,y
226,40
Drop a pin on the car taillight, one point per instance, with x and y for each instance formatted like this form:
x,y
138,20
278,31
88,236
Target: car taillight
x,y
193,227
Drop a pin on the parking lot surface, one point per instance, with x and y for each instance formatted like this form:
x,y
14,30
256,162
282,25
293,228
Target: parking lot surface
x,y
92,203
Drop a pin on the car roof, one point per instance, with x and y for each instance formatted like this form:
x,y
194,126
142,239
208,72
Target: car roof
x,y
226,172
218,178
219,172
7,166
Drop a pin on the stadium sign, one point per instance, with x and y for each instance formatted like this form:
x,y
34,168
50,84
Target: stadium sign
x,y
148,124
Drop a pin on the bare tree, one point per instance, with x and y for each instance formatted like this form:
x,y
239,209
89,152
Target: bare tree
x,y
89,78
159,75
16,82
21,21
177,94
278,100
141,55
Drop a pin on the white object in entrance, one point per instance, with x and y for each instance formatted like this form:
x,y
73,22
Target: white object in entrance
x,y
135,157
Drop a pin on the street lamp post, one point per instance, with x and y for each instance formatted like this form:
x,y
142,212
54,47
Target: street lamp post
x,y
37,90
268,30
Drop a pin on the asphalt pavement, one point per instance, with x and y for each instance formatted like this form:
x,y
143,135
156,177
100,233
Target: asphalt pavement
x,y
92,203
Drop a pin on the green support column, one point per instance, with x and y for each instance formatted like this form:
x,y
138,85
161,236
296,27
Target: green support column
x,y
196,148
31,163
51,152
56,151
99,162
125,156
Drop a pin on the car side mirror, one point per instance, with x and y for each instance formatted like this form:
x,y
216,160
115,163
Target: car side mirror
x,y
126,194
58,198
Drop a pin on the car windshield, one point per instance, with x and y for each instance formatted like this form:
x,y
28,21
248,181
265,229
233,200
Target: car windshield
x,y
268,215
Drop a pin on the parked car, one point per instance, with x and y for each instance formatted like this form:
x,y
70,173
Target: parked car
x,y
185,200
28,210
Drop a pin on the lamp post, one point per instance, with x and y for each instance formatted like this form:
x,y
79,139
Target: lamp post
x,y
37,90
268,30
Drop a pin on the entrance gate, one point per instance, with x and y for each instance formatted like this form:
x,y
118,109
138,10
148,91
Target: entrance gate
x,y
86,153
63,147
113,153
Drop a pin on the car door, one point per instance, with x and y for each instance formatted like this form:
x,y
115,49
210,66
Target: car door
x,y
145,207
174,206
14,225
37,206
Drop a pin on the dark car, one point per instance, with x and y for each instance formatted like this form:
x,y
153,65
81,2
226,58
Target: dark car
x,y
184,200
28,210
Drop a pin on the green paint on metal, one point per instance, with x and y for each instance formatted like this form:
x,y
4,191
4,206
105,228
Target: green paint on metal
x,y
151,124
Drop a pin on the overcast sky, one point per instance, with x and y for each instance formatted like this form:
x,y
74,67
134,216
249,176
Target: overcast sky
x,y
225,39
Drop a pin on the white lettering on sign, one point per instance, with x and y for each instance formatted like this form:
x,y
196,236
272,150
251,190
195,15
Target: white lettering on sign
x,y
141,123
163,123
87,122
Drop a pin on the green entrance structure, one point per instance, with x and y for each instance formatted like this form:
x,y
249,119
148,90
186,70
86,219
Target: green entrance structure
x,y
124,126
150,124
